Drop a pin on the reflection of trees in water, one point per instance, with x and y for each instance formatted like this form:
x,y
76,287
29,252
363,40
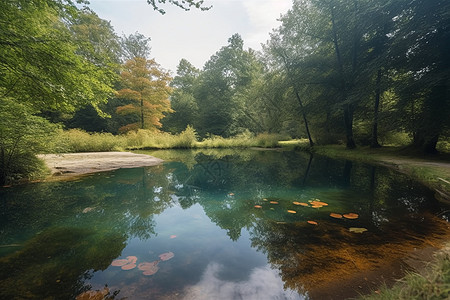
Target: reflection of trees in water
x,y
123,204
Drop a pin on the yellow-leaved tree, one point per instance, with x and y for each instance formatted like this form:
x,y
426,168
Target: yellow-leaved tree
x,y
146,84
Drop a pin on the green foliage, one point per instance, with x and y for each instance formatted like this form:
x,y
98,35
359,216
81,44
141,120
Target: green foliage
x,y
21,136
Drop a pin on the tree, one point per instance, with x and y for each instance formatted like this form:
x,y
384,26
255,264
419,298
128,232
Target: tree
x,y
41,64
421,51
135,45
147,86
224,74
182,99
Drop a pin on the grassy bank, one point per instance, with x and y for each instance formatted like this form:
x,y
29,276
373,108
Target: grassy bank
x,y
432,283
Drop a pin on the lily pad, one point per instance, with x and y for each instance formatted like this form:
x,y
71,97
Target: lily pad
x,y
119,262
292,211
129,266
312,222
166,256
351,216
337,216
357,229
132,259
149,268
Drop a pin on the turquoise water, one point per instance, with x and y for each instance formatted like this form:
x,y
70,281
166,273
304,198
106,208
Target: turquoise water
x,y
58,239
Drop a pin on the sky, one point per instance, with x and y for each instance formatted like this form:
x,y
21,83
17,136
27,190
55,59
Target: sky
x,y
194,35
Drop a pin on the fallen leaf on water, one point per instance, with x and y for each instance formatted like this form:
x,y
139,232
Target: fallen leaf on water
x,y
350,216
132,259
129,266
337,216
149,268
258,206
312,222
292,211
273,202
357,229
166,256
87,209
173,236
119,262
93,295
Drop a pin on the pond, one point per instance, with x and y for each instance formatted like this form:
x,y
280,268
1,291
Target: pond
x,y
217,224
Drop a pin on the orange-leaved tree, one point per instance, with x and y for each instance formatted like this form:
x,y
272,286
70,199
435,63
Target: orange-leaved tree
x,y
146,85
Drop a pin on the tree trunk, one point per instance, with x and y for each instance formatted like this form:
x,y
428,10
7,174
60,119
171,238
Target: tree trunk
x,y
374,143
348,108
142,113
348,123
311,143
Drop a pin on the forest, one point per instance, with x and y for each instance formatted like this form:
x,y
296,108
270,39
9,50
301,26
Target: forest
x,y
352,72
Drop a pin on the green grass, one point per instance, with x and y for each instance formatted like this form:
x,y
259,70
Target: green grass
x,y
76,140
431,283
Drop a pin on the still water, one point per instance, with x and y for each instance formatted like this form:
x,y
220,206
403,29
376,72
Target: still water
x,y
222,224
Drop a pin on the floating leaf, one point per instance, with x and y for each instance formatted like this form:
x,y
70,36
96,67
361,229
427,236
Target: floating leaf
x,y
129,266
350,216
93,295
132,259
337,216
87,209
119,262
258,206
166,256
273,202
312,222
149,268
357,229
173,236
292,211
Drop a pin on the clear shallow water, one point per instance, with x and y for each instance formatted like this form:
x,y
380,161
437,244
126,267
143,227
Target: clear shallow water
x,y
58,239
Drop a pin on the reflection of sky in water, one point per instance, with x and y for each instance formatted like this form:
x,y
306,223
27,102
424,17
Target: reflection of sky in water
x,y
206,265
263,283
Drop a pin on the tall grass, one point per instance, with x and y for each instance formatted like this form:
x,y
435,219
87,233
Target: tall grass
x,y
76,140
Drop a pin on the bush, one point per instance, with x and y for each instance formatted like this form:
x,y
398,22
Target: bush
x,y
76,140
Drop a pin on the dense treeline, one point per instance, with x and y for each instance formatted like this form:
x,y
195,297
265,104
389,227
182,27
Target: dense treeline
x,y
350,71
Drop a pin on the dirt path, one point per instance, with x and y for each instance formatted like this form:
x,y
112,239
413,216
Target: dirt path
x,y
75,164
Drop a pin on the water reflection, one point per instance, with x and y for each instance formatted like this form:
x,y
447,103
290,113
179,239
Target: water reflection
x,y
58,239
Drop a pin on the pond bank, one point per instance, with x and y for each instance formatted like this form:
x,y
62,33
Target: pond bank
x,y
75,164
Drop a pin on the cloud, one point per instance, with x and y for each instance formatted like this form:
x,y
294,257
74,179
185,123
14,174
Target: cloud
x,y
263,283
